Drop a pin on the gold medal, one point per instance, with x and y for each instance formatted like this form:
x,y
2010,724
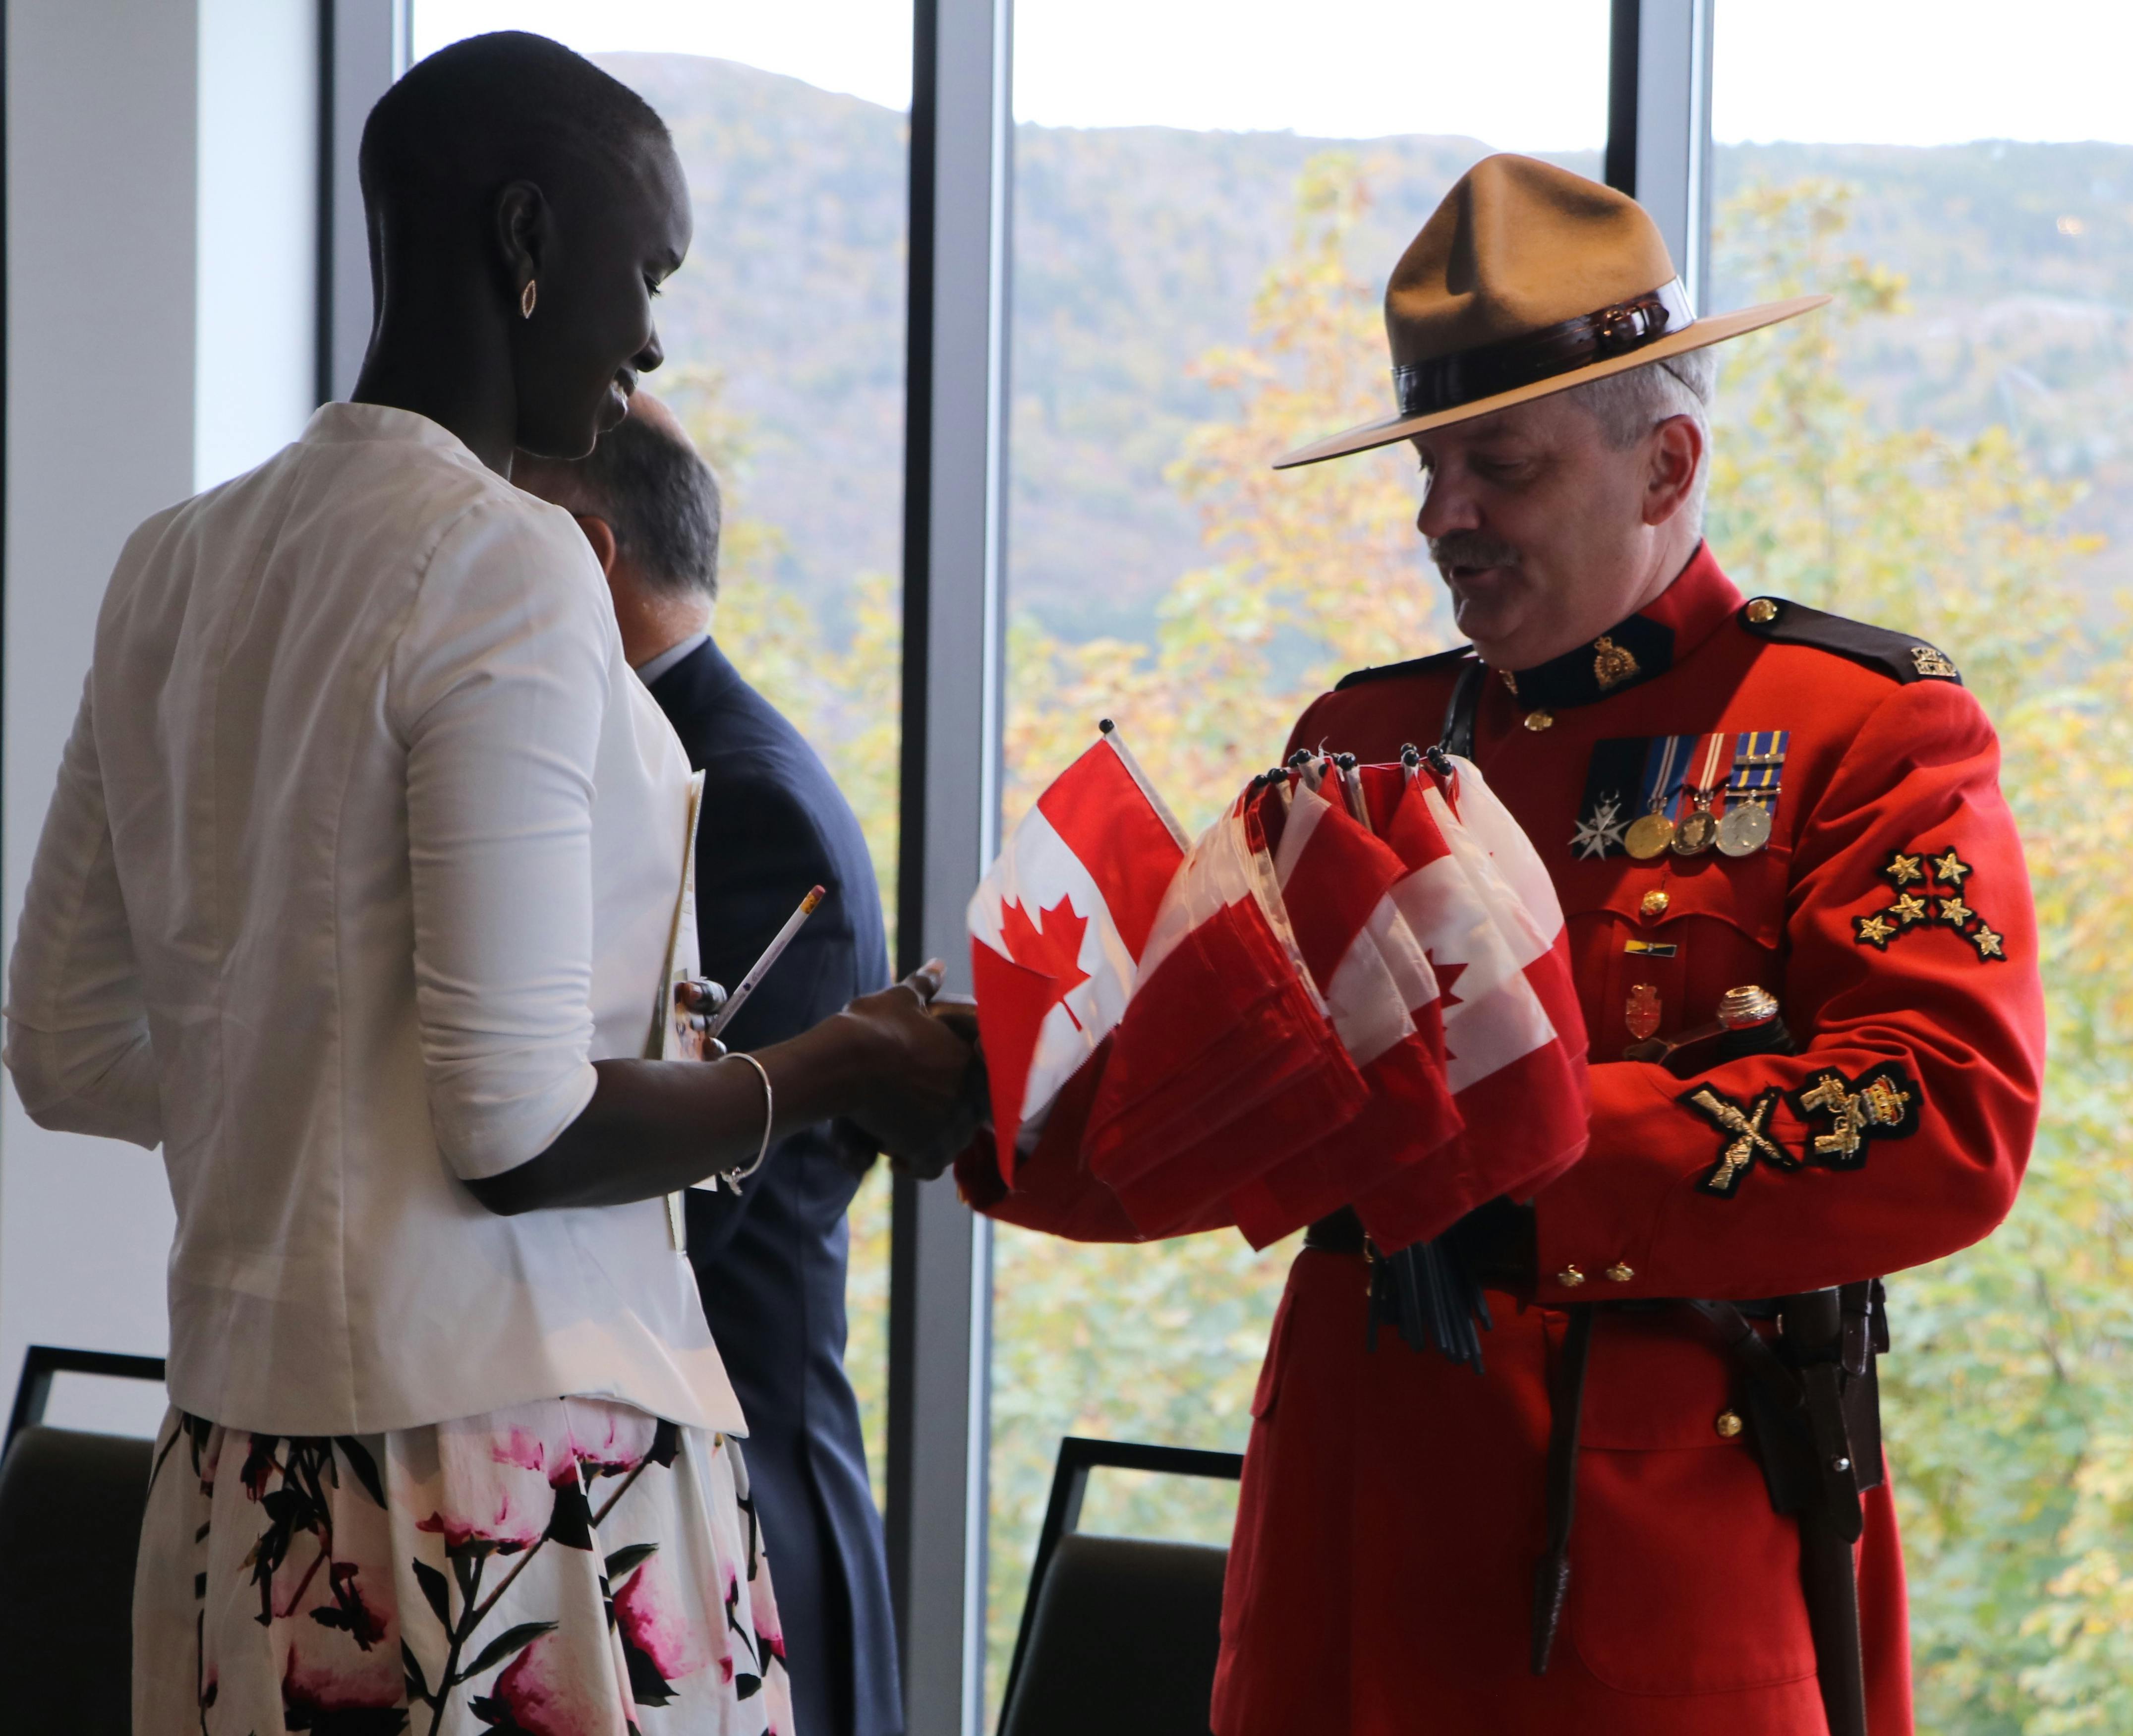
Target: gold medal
x,y
1745,830
1649,836
1697,833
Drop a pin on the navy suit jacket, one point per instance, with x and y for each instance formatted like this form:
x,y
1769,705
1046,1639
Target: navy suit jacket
x,y
771,1264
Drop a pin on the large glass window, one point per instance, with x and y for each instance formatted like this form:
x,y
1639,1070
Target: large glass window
x,y
1207,201
1947,451
784,333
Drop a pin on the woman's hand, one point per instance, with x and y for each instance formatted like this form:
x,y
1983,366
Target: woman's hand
x,y
915,1095
904,1077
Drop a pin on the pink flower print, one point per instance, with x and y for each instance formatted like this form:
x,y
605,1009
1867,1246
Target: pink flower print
x,y
606,1439
653,1622
491,1483
521,1447
547,1692
498,1516
327,1671
763,1616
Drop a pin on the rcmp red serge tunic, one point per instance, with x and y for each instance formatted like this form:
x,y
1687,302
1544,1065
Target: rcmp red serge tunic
x,y
1393,1505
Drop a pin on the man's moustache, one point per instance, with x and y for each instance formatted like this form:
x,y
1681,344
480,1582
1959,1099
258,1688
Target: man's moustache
x,y
1466,548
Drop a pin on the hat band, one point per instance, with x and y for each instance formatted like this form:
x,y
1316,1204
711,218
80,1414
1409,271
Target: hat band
x,y
1448,381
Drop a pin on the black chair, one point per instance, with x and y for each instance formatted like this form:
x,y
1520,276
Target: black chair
x,y
1119,1635
70,1508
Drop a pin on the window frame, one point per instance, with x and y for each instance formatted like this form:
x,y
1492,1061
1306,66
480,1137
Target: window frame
x,y
960,272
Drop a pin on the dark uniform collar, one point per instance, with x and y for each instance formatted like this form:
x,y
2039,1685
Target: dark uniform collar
x,y
1631,651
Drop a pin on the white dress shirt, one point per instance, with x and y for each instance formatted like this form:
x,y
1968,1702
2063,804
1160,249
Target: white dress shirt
x,y
653,668
366,845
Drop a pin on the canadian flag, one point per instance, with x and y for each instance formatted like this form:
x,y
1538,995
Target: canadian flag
x,y
1227,1062
1336,883
1057,928
1480,900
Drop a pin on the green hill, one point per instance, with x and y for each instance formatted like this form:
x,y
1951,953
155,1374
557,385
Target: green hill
x,y
1138,249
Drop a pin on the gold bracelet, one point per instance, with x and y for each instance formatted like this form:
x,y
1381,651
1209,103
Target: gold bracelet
x,y
734,1177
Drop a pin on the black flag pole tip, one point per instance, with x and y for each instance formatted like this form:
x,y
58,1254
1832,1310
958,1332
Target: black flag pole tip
x,y
1105,726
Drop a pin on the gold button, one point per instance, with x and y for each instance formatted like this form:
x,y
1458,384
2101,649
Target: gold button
x,y
1538,720
1728,1424
1621,1272
1655,902
1569,1277
1761,611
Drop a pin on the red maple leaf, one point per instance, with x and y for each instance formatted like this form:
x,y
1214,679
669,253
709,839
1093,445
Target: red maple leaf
x,y
1051,945
1447,975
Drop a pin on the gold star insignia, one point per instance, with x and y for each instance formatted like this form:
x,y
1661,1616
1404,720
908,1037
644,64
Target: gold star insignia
x,y
1951,868
1907,909
1955,912
1875,930
1987,942
1903,870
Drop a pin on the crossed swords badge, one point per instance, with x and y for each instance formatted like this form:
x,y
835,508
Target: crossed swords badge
x,y
1841,1114
1748,1125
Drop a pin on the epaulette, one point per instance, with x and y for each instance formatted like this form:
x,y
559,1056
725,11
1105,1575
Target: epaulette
x,y
1896,655
1393,672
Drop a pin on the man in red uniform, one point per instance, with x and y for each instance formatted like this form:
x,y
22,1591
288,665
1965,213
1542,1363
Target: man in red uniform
x,y
1731,794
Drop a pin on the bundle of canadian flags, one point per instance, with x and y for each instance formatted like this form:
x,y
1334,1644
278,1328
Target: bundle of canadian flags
x,y
1354,989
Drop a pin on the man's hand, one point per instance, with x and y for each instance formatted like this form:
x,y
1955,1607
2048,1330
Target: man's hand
x,y
918,1101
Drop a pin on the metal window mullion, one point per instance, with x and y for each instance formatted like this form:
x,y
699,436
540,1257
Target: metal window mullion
x,y
363,48
1658,120
941,1267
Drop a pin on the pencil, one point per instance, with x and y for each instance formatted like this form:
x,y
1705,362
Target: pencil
x,y
756,972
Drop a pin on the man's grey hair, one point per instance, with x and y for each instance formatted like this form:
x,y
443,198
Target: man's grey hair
x,y
659,498
1628,405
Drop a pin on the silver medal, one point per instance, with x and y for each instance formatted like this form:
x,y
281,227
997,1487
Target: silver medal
x,y
1744,829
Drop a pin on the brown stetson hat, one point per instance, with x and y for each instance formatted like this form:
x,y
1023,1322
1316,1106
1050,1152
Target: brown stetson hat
x,y
1528,280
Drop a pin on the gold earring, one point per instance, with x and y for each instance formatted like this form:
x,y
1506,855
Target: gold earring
x,y
526,297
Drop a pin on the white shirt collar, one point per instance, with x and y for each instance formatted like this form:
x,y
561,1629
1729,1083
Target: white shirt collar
x,y
649,672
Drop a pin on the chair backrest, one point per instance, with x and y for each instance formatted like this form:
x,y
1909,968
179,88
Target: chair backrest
x,y
71,1505
42,1361
1119,1635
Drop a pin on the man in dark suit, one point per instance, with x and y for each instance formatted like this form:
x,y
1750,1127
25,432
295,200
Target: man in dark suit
x,y
771,1263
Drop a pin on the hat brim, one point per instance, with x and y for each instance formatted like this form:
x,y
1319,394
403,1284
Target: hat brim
x,y
1703,333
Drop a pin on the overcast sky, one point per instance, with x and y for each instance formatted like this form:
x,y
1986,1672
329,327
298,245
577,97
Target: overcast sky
x,y
1523,73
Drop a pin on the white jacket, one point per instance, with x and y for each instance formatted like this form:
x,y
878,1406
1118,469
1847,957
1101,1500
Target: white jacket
x,y
366,845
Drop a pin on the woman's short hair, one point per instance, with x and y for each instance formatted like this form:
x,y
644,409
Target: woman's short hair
x,y
491,108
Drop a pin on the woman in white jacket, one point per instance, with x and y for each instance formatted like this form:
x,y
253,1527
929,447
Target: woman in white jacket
x,y
357,895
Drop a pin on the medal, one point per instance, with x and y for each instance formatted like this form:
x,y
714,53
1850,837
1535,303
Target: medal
x,y
1752,791
1649,835
1745,830
1698,830
1697,833
1652,832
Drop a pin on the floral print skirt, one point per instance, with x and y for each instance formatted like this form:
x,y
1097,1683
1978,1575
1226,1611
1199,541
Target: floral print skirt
x,y
573,1567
